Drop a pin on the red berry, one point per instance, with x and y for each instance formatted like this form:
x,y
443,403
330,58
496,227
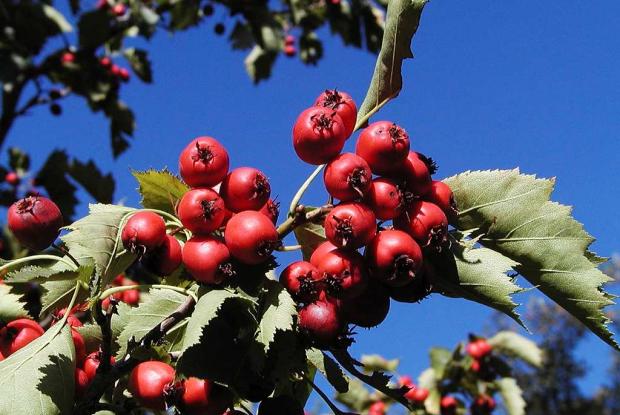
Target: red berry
x,y
377,408
394,258
405,381
475,366
344,273
478,349
483,405
441,195
417,175
115,70
204,162
91,364
320,251
79,345
12,178
289,39
385,198
318,135
67,57
251,237
301,280
414,292
207,259
384,145
149,383
350,225
321,322
144,232
119,9
81,382
416,394
448,405
290,50
35,221
347,177
426,223
201,211
131,297
271,209
167,258
370,308
245,188
195,399
18,334
343,104
123,73
105,62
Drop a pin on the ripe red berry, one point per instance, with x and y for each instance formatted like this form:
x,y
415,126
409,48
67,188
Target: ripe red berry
x,y
289,39
92,362
478,349
394,258
347,177
271,209
79,345
384,145
167,258
343,104
81,382
67,57
251,237
290,50
144,232
350,225
18,334
204,162
149,383
483,405
207,259
448,405
106,62
123,73
344,273
321,322
130,297
475,366
385,198
318,135
414,292
119,9
320,251
115,70
12,178
245,188
301,280
426,223
377,408
201,211
195,399
370,308
35,221
417,394
417,175
441,195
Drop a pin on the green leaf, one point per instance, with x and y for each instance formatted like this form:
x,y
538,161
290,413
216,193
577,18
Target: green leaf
x,y
241,37
515,345
278,313
512,396
184,14
88,175
403,18
18,160
440,357
11,306
57,17
39,378
155,307
122,126
94,28
309,235
57,294
160,190
516,218
92,332
140,63
479,275
259,62
377,362
330,369
56,272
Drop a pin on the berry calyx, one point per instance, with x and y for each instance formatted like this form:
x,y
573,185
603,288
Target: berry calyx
x,y
318,135
384,145
426,223
320,322
203,162
302,280
344,273
207,259
368,309
148,383
343,104
245,188
167,258
385,198
350,225
35,221
251,237
394,257
347,177
144,232
201,211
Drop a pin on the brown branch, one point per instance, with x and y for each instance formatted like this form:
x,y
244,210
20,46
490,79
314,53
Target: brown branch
x,y
300,218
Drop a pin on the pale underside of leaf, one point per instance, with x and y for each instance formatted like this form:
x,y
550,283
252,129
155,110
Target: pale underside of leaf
x,y
512,396
11,306
515,345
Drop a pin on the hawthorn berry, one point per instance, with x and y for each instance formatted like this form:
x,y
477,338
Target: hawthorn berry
x,y
347,177
280,405
245,188
203,162
67,57
448,405
416,394
290,50
417,175
207,259
251,237
92,362
385,198
318,135
167,258
271,209
483,405
368,309
426,223
289,40
302,280
350,225
321,322
12,178
150,382
377,408
441,195
79,345
478,349
320,251
343,104
123,74
344,273
194,399
394,257
119,9
201,211
81,382
384,145
18,334
414,292
105,62
144,232
476,366
35,221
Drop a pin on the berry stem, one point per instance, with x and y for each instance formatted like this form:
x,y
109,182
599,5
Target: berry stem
x,y
114,290
63,250
33,258
289,248
302,190
323,396
300,218
361,122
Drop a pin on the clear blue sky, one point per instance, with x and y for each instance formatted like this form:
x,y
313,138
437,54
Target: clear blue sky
x,y
494,84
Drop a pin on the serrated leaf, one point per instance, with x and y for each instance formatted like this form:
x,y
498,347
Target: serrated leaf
x,y
259,62
402,20
515,345
377,362
155,306
57,294
11,306
309,236
55,272
512,396
329,368
57,17
160,189
278,313
140,63
39,378
479,275
440,357
519,221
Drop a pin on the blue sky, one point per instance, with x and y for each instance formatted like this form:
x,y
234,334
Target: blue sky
x,y
534,85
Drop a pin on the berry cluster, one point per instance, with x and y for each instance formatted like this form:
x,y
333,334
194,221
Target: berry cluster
x,y
338,284
482,405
